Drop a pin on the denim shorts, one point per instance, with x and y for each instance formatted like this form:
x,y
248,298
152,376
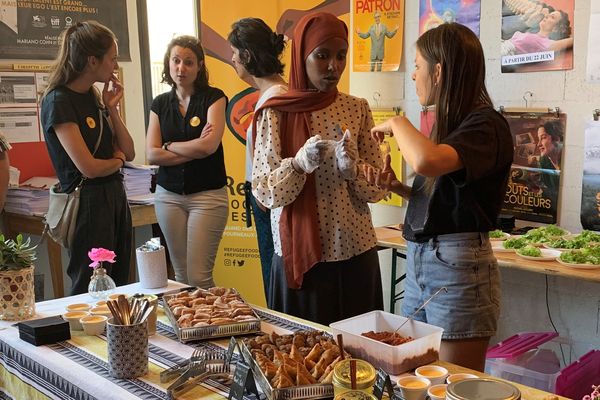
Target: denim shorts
x,y
465,264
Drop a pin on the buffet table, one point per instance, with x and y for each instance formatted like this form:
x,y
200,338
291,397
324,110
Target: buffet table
x,y
77,368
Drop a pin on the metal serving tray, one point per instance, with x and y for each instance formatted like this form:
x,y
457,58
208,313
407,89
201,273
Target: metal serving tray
x,y
210,331
317,391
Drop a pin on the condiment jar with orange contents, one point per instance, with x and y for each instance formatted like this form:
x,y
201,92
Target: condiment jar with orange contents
x,y
342,378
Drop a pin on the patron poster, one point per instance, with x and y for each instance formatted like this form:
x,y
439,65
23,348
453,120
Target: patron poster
x,y
377,36
590,191
534,181
435,12
536,36
29,29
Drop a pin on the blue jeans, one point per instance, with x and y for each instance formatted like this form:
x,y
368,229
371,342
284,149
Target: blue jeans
x,y
465,264
262,221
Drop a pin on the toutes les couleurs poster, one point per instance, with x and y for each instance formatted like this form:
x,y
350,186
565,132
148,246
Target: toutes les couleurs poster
x,y
533,187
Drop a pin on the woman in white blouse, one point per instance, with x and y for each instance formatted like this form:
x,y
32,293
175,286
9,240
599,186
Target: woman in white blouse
x,y
310,144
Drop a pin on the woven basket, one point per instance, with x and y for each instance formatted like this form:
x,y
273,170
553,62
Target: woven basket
x,y
17,295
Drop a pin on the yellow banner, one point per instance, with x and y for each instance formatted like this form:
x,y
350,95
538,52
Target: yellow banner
x,y
238,261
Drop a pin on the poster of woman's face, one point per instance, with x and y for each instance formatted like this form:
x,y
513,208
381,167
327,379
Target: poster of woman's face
x,y
536,35
538,139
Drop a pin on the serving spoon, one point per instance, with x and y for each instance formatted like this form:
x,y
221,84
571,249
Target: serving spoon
x,y
411,316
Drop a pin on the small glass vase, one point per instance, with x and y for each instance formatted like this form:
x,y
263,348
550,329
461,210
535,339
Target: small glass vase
x,y
101,285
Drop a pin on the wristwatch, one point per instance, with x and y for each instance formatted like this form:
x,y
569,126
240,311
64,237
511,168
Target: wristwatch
x,y
166,145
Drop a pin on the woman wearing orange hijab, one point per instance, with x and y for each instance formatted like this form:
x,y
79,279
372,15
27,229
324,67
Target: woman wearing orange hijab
x,y
305,169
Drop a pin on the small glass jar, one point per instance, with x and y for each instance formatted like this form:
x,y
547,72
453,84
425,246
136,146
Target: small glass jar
x,y
101,285
482,388
365,377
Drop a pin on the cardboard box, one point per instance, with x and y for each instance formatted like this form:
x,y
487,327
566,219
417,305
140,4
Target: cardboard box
x,y
44,331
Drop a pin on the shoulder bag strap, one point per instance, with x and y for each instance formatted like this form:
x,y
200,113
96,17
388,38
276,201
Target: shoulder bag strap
x,y
101,122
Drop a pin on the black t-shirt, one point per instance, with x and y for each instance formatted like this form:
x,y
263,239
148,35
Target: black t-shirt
x,y
470,199
196,175
64,105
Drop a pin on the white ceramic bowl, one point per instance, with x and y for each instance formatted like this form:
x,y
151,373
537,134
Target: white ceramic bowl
x,y
459,377
434,373
413,387
115,296
78,307
437,392
101,311
73,318
93,324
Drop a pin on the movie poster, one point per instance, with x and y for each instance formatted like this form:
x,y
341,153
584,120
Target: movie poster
x,y
377,36
592,74
427,120
435,12
590,191
534,181
389,146
536,36
29,29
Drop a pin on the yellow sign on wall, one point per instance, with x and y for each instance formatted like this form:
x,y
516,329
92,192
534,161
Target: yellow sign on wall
x,y
380,116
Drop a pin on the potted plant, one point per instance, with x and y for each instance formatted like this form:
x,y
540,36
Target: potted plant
x,y
17,295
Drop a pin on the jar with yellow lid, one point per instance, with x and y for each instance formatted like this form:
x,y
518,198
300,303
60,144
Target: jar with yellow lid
x,y
365,378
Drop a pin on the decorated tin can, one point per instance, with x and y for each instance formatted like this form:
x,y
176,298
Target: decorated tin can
x,y
355,395
482,389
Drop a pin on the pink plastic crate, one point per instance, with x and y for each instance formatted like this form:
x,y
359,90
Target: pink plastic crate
x,y
519,357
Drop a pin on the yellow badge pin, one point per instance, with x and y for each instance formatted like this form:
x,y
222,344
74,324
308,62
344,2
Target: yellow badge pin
x,y
90,122
195,121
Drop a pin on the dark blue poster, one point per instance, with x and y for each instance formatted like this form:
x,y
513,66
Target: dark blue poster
x,y
29,29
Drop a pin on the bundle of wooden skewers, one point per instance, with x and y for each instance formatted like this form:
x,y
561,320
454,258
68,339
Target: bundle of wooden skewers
x,y
129,313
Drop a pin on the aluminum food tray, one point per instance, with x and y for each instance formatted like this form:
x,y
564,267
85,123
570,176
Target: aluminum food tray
x,y
211,331
317,391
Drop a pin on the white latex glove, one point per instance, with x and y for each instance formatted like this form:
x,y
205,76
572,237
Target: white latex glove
x,y
346,156
312,154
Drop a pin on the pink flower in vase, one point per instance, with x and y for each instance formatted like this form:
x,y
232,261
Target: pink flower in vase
x,y
99,255
595,395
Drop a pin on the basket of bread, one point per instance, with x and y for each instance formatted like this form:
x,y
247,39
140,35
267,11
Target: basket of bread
x,y
293,366
198,314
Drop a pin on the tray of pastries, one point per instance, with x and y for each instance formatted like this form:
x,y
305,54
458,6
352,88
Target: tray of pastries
x,y
293,366
198,314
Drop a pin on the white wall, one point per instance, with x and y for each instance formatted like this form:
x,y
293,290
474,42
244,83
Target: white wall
x,y
574,304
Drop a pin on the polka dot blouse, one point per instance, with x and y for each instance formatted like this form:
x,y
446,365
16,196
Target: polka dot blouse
x,y
345,225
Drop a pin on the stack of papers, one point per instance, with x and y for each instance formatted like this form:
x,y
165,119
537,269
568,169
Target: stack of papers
x,y
138,180
31,197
